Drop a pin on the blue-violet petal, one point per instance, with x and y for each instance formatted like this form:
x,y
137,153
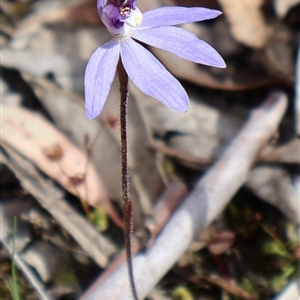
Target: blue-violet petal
x,y
151,77
182,43
98,77
176,15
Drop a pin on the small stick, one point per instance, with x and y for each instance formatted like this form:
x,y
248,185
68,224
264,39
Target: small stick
x,y
127,205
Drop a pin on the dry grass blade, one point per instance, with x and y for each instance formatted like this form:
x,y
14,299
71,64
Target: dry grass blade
x,y
27,271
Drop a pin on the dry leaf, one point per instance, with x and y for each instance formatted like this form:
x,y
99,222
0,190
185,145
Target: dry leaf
x,y
247,22
39,141
51,198
282,7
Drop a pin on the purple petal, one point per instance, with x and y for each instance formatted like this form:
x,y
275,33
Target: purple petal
x,y
175,15
182,43
100,4
151,77
98,77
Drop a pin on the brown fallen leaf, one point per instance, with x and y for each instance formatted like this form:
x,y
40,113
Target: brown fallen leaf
x,y
247,22
51,198
39,141
282,7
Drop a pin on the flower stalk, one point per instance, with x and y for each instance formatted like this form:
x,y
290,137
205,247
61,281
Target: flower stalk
x,y
127,205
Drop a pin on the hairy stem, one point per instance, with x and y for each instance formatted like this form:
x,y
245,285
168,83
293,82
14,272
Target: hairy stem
x,y
127,206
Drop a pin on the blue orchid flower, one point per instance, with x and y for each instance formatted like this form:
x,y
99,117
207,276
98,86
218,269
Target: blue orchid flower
x,y
127,24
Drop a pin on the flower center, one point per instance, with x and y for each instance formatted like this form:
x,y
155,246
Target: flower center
x,y
125,11
120,17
